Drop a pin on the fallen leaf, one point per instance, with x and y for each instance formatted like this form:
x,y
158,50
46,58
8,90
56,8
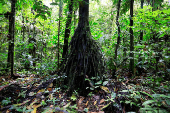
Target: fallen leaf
x,y
49,89
60,96
42,90
95,102
101,101
87,103
105,89
80,100
35,108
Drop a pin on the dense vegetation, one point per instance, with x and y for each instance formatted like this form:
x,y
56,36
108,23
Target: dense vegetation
x,y
95,56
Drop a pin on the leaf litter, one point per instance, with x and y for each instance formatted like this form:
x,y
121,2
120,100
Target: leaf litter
x,y
36,94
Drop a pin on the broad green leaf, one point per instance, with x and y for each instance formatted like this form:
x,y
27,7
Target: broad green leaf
x,y
148,102
113,95
95,23
168,101
147,94
128,102
98,83
105,82
139,46
73,97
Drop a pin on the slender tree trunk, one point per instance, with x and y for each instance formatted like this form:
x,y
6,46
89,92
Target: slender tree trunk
x,y
124,51
153,5
23,28
141,34
118,27
131,38
118,38
9,41
10,62
34,44
60,15
68,28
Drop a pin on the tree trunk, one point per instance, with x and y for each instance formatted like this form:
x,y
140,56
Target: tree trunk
x,y
84,58
10,61
34,44
23,28
60,15
141,36
131,39
118,27
141,32
118,38
9,41
67,30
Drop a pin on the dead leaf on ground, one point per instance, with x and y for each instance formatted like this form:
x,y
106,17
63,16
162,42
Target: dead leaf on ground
x,y
87,103
101,101
105,89
95,102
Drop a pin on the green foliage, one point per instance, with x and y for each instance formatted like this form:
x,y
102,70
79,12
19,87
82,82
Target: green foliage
x,y
6,101
21,109
152,52
160,103
42,10
23,4
156,21
4,6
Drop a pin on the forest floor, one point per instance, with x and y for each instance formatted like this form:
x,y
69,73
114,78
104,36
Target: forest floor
x,y
35,94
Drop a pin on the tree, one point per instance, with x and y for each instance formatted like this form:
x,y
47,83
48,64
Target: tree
x,y
140,41
118,38
141,32
10,61
67,30
131,39
118,27
60,15
84,58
